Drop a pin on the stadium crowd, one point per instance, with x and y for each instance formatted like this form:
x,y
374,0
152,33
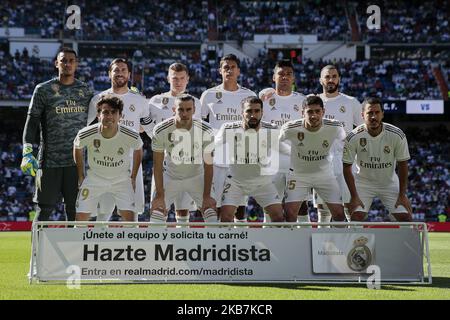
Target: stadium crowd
x,y
395,79
420,21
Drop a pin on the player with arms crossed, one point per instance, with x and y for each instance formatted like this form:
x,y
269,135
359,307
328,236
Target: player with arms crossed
x,y
58,109
162,107
377,147
283,105
222,104
135,112
108,145
251,142
182,161
311,140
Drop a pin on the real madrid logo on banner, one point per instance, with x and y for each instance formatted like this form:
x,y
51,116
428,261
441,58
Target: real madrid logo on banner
x,y
96,143
120,151
325,144
387,149
165,101
132,108
342,109
360,257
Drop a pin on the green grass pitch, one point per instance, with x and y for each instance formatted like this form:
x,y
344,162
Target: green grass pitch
x,y
15,256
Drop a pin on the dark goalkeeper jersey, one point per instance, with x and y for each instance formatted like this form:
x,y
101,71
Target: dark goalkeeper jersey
x,y
62,111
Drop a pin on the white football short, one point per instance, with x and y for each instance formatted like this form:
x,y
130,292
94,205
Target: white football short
x,y
192,186
93,188
388,195
235,192
298,187
106,204
182,202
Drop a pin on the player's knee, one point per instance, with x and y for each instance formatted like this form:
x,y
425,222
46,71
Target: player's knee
x,y
358,216
303,211
402,217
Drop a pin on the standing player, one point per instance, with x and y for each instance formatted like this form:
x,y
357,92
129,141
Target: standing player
x,y
162,107
222,104
182,161
283,106
377,147
251,145
311,140
347,110
108,145
135,111
58,109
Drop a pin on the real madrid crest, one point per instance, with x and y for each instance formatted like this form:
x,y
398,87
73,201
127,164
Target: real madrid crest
x,y
342,109
81,93
301,136
387,149
272,102
171,137
165,101
218,95
96,143
132,108
362,142
55,88
325,144
360,257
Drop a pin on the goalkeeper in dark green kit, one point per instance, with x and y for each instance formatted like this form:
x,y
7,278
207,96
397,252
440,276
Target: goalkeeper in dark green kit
x,y
58,110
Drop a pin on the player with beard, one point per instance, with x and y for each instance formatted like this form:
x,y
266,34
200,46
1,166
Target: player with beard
x,y
182,161
162,107
251,144
347,110
378,147
135,111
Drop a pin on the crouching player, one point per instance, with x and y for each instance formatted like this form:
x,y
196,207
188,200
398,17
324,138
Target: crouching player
x,y
182,161
109,146
252,146
311,139
377,147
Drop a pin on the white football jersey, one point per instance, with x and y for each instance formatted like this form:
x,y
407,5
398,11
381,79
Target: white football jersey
x,y
310,151
183,149
109,158
135,108
343,108
376,157
162,107
223,106
280,109
252,155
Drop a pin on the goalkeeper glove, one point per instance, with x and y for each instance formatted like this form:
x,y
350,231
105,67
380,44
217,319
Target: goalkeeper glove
x,y
29,164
